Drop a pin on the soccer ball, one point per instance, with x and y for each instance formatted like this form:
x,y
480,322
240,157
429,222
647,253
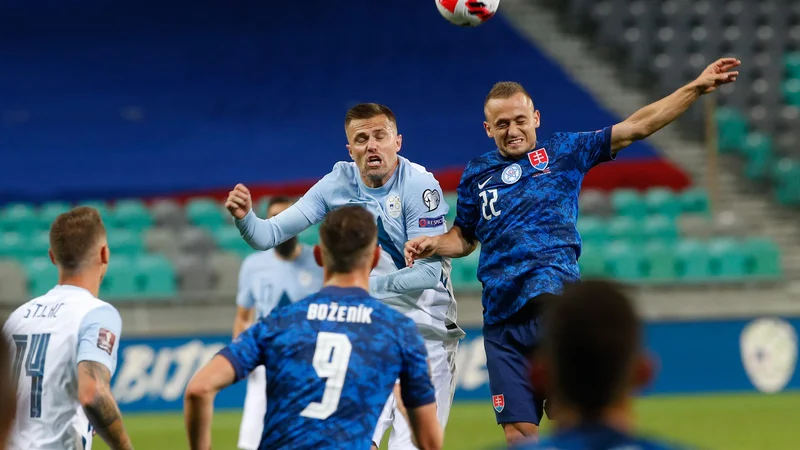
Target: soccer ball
x,y
467,13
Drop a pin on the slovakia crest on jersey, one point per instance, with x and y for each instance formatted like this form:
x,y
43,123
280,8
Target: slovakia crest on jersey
x,y
499,402
539,159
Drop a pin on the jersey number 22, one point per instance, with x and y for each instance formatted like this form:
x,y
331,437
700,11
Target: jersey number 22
x,y
331,358
487,208
34,365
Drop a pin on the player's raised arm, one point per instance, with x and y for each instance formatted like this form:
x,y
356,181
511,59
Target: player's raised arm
x,y
656,116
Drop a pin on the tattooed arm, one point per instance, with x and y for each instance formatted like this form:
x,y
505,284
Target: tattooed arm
x,y
94,393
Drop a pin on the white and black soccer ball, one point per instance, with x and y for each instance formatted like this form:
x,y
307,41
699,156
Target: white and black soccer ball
x,y
467,13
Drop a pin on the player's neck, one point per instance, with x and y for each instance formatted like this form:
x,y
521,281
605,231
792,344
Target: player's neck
x,y
373,183
88,281
618,417
346,280
292,256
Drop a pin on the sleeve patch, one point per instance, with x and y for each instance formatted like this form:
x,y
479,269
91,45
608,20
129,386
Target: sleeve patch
x,y
431,222
106,340
431,198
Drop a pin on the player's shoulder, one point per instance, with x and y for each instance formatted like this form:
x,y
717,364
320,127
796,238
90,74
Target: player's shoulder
x,y
343,169
569,138
481,163
257,260
414,174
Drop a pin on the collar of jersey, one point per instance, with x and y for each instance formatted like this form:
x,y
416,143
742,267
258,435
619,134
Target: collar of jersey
x,y
344,291
70,287
386,186
502,158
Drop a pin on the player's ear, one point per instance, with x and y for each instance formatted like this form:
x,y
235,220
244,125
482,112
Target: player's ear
x,y
105,254
537,119
52,256
644,370
349,151
318,255
399,142
376,256
488,129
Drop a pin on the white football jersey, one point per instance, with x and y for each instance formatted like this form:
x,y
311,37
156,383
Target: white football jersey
x,y
49,336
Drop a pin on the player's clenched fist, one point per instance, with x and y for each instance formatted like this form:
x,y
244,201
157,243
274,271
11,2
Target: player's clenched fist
x,y
420,248
239,202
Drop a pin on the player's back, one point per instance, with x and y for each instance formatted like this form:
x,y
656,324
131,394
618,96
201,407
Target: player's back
x,y
332,360
596,437
44,335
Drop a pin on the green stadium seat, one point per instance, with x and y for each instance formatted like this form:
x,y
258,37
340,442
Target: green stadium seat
x,y
731,129
786,173
42,276
309,236
156,277
260,207
659,262
229,239
120,280
125,242
592,261
37,246
626,229
464,273
693,262
791,91
791,63
662,201
452,202
762,258
20,217
100,206
13,245
131,215
694,200
48,212
628,202
660,228
758,151
624,261
208,213
727,259
593,230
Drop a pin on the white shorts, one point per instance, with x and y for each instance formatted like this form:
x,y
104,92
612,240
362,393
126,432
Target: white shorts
x,y
442,361
255,408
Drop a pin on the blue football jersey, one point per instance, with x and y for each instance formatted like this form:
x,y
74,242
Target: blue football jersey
x,y
596,437
332,360
524,212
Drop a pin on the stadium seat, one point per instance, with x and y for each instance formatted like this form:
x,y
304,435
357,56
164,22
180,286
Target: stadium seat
x,y
662,201
229,239
120,280
593,202
131,215
660,228
195,241
791,63
694,200
626,229
48,212
13,245
731,129
786,174
692,261
451,198
13,286
659,262
20,217
42,276
162,240
125,242
464,272
758,151
727,260
592,230
762,258
628,203
38,245
156,277
309,236
207,213
168,214
624,261
791,91
226,271
592,261
194,274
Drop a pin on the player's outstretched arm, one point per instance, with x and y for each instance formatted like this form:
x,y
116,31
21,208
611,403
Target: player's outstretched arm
x,y
94,394
198,403
656,116
452,244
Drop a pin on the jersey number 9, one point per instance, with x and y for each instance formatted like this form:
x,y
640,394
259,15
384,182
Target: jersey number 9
x,y
331,358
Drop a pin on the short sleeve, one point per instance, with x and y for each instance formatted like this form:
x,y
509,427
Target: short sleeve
x,y
591,148
247,351
98,337
424,207
415,378
313,203
466,206
244,296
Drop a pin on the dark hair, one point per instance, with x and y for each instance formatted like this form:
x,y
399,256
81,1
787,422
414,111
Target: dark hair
x,y
348,235
278,200
505,89
73,235
368,111
592,336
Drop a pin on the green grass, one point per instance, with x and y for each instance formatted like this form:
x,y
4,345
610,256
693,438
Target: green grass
x,y
730,422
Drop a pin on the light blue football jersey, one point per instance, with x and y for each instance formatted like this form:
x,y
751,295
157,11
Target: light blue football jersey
x,y
409,205
266,281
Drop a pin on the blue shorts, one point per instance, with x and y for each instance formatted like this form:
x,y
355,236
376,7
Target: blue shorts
x,y
508,346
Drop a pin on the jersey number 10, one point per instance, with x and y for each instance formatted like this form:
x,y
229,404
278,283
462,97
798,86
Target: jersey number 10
x,y
34,365
331,358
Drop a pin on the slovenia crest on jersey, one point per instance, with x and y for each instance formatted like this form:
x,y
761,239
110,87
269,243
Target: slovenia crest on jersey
x,y
499,402
512,174
539,159
393,206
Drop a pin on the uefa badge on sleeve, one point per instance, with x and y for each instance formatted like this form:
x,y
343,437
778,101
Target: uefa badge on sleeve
x,y
499,402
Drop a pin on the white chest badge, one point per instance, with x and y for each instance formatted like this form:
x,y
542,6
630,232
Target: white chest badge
x,y
393,206
431,199
512,174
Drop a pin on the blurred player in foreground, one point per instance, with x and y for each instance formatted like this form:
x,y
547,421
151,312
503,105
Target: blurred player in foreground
x,y
520,202
269,280
65,345
406,201
8,397
331,359
592,362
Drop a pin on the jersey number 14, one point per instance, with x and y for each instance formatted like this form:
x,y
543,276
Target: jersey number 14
x,y
33,359
331,358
